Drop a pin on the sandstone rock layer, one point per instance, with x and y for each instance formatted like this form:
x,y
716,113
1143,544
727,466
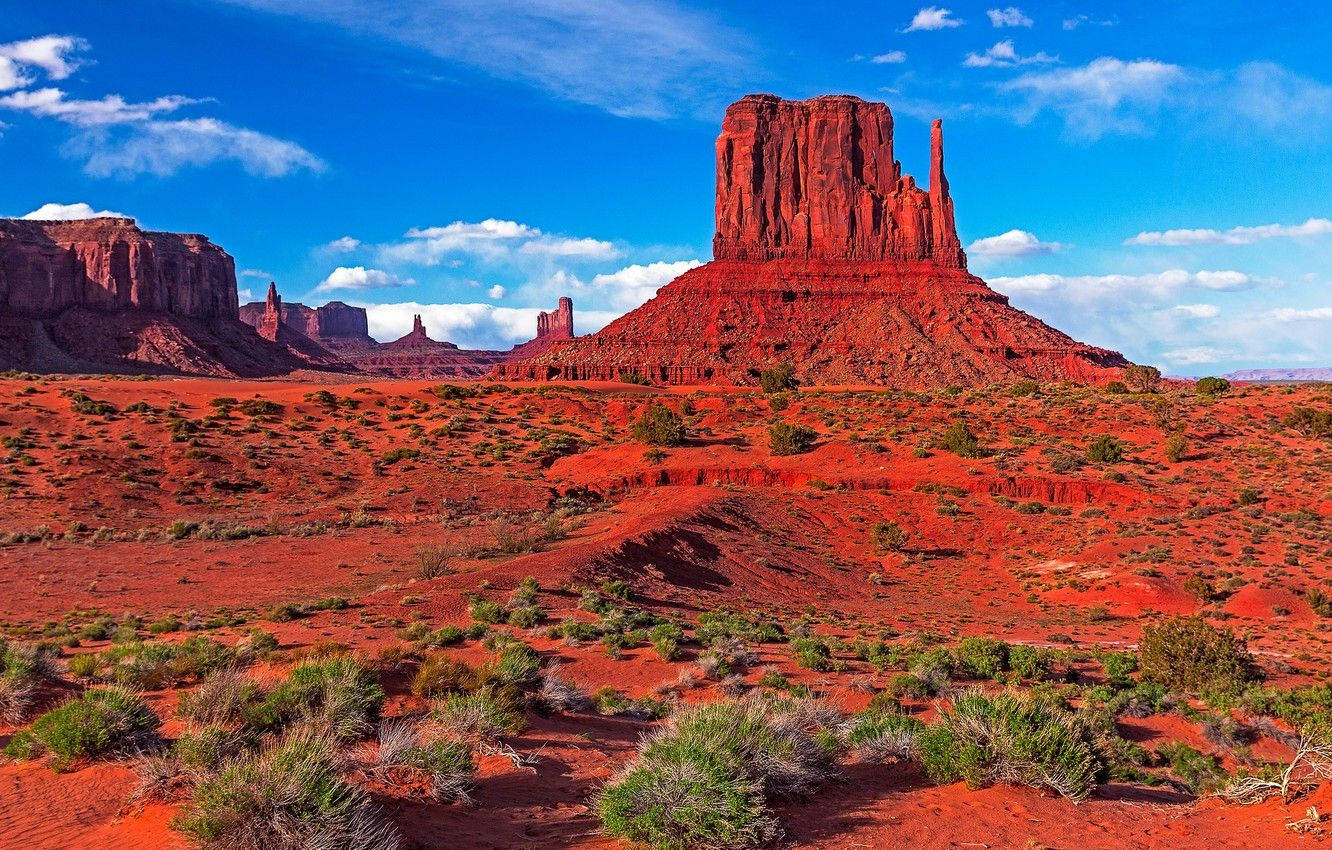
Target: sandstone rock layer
x,y
827,257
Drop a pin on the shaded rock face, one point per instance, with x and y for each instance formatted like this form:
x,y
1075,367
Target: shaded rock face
x,y
102,295
816,179
830,259
109,264
336,326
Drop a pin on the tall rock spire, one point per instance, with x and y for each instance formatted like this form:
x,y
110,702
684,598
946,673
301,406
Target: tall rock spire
x,y
947,247
271,323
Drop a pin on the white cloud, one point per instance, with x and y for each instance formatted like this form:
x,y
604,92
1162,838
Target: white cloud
x,y
892,57
496,292
640,58
1233,236
1078,20
259,273
1003,55
1010,17
359,277
632,285
493,240
1117,286
1292,314
933,18
1194,356
1104,96
1199,311
1014,243
244,295
1266,95
164,147
111,109
342,245
69,212
51,53
473,326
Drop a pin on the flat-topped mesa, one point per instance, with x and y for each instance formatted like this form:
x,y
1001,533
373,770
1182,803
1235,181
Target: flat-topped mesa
x,y
109,264
817,179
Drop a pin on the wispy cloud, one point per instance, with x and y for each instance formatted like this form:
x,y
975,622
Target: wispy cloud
x,y
164,147
111,109
1198,311
1004,55
892,57
1087,20
1233,236
51,54
1296,314
1107,95
1010,17
638,58
69,212
1014,243
359,277
933,18
493,240
1116,286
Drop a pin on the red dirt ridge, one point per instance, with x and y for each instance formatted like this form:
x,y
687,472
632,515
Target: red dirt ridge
x,y
830,259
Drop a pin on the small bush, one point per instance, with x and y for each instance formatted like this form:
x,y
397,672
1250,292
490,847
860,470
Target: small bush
x,y
777,379
983,657
1010,738
448,763
290,794
441,674
959,440
884,736
477,716
1188,654
1143,379
1176,447
1211,386
1116,388
1309,422
103,720
889,536
1105,449
221,698
338,693
659,426
787,439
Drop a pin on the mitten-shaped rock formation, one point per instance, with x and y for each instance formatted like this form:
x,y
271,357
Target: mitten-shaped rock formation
x,y
827,257
103,295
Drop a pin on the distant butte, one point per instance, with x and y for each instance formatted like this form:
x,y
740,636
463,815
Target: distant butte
x,y
829,258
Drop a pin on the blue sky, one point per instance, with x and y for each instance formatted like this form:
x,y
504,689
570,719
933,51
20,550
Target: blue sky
x,y
1147,176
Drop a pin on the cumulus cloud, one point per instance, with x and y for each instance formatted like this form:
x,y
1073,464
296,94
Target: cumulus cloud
x,y
892,57
474,325
1199,311
933,18
359,277
1117,286
111,109
1010,17
69,212
496,292
492,240
51,54
1107,95
1014,243
632,285
1004,55
1233,236
341,245
164,147
639,58
1294,314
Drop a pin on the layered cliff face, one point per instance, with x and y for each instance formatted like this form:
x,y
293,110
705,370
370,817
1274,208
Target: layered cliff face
x,y
828,258
817,180
335,326
104,295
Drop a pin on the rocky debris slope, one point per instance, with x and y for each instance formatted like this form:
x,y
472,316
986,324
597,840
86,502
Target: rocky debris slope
x,y
104,295
832,260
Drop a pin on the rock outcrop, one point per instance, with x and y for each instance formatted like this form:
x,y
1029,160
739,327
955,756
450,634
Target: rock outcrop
x,y
103,295
553,327
336,326
827,257
416,355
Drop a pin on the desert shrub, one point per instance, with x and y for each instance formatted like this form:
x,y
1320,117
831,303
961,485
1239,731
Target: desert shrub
x,y
659,426
888,535
448,763
21,666
1211,386
558,694
1248,496
1025,388
1309,422
1116,388
100,721
787,439
959,440
432,562
485,611
517,665
441,674
337,693
812,654
720,624
1105,449
1198,773
1188,654
704,780
983,657
1142,378
779,378
1117,667
1009,738
290,794
1319,601
479,715
877,736
152,666
666,638
1176,447
1033,662
221,698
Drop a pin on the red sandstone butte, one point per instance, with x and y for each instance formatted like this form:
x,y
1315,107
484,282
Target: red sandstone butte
x,y
829,258
103,295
